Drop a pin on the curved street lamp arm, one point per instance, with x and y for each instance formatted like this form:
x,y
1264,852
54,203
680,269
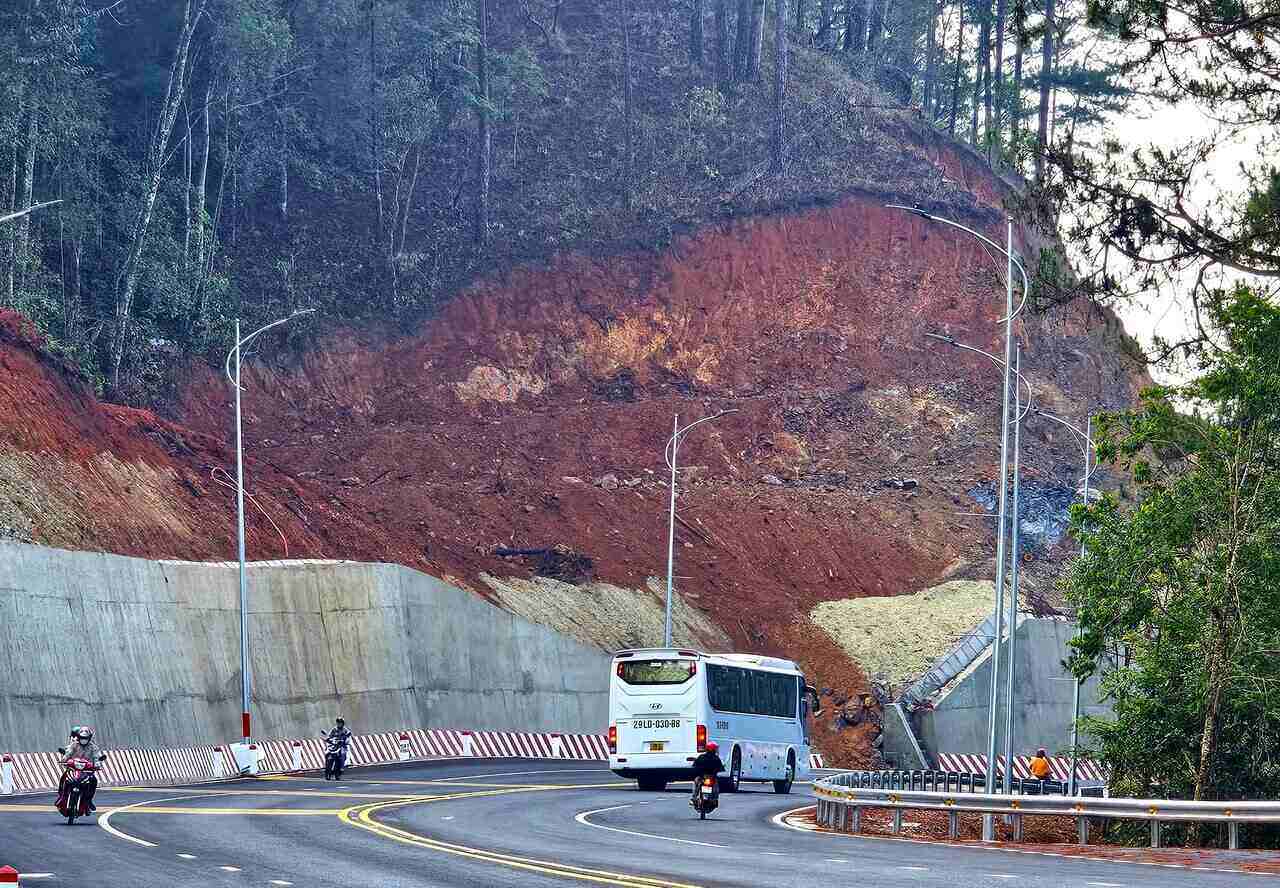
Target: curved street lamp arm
x,y
999,362
226,365
1026,286
1086,443
669,451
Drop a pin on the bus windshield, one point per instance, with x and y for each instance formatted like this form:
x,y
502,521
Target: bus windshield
x,y
657,672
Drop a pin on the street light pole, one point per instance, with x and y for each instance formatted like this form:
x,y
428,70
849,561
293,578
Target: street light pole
x,y
669,454
1013,584
1086,439
244,580
988,823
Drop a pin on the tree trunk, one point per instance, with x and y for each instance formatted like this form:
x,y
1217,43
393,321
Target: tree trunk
x,y
989,134
284,175
800,11
484,137
28,193
11,233
875,23
955,80
722,44
979,52
1001,8
127,278
625,16
695,33
855,25
202,179
1204,787
742,40
927,99
187,186
1046,69
375,134
757,40
779,86
1015,93
824,22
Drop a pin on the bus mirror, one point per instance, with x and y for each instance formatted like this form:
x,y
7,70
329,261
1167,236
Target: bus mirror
x,y
812,692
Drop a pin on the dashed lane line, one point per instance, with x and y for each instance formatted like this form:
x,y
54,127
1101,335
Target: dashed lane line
x,y
187,856
582,818
361,817
229,869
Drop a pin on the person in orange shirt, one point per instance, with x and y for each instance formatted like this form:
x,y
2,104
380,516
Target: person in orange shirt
x,y
1040,766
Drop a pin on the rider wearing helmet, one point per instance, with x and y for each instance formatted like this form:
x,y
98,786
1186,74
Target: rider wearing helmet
x,y
82,746
708,763
340,737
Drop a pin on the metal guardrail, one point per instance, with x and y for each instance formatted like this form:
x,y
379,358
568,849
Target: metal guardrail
x,y
944,781
841,799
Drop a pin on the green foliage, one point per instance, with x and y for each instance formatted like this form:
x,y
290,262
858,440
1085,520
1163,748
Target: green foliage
x,y
1180,595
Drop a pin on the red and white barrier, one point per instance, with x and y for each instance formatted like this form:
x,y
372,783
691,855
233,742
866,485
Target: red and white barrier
x,y
8,875
815,760
34,771
1060,766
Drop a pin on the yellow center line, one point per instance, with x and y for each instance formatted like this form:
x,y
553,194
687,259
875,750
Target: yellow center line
x,y
299,793
361,817
274,812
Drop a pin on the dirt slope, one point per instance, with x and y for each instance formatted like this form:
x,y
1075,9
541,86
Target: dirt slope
x,y
499,423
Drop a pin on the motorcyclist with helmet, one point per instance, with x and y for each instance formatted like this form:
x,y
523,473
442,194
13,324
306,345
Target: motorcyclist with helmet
x,y
340,738
82,747
706,764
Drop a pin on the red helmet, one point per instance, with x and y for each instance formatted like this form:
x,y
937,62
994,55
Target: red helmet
x,y
712,746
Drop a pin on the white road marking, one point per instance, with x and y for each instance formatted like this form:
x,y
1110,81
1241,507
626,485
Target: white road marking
x,y
1105,884
230,869
836,860
279,882
1001,876
22,877
104,819
582,818
187,856
450,817
780,819
915,869
774,853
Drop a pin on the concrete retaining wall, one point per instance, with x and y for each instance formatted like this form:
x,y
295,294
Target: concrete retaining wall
x,y
148,652
1042,697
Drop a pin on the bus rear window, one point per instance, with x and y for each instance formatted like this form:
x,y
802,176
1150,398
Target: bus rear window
x,y
657,672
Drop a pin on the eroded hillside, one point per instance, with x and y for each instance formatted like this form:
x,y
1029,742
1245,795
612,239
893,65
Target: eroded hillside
x,y
531,413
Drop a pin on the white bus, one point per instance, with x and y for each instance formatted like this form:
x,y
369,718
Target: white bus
x,y
665,704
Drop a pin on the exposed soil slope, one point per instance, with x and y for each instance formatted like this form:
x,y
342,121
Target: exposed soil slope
x,y
498,423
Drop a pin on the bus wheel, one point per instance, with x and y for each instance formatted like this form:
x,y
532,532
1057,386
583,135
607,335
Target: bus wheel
x,y
733,782
651,784
783,787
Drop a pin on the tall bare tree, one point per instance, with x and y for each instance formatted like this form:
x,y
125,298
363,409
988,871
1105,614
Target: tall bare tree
x,y
779,86
624,10
483,136
756,45
1046,69
722,43
742,40
126,285
695,33
955,79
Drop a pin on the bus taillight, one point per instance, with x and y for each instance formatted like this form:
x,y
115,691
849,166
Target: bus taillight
x,y
702,738
613,739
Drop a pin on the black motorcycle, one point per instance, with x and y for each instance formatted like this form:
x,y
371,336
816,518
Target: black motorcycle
x,y
706,797
335,758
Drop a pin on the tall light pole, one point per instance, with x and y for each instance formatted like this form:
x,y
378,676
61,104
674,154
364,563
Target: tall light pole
x,y
988,823
1020,412
244,582
1086,445
669,454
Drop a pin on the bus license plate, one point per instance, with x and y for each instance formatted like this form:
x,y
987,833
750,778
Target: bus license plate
x,y
657,746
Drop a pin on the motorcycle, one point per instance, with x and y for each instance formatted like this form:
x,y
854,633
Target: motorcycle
x,y
707,797
78,779
335,758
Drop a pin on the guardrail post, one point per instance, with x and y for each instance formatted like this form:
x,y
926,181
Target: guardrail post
x,y
1155,834
295,756
855,819
988,827
1017,827
897,821
1082,830
953,824
6,774
1233,835
468,749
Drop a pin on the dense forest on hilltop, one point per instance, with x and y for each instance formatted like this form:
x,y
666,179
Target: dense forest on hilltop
x,y
216,159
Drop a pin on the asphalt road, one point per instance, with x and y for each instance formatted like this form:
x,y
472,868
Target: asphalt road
x,y
497,823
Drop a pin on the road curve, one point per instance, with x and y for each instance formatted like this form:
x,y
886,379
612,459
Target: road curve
x,y
497,823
